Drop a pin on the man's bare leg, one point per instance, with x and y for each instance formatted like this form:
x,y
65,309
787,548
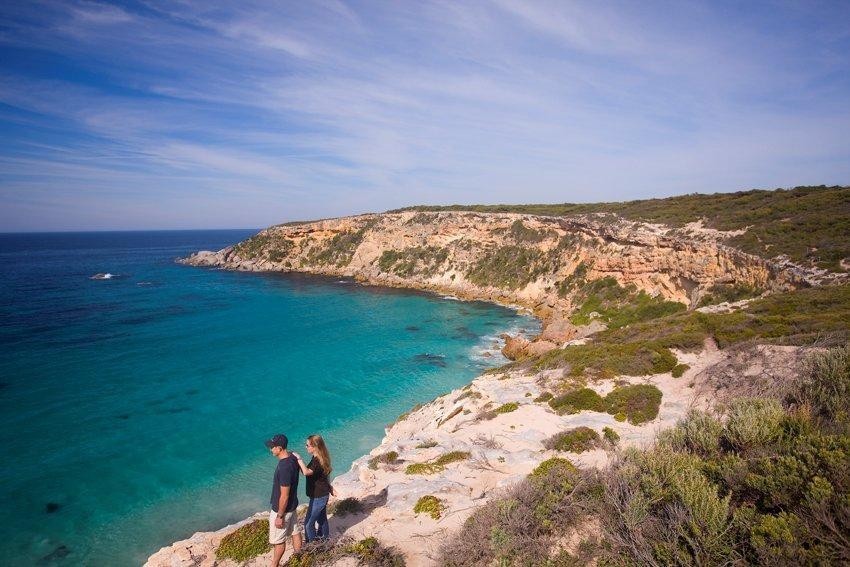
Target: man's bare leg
x,y
296,543
279,548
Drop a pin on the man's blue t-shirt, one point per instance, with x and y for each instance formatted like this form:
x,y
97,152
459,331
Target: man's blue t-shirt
x,y
286,474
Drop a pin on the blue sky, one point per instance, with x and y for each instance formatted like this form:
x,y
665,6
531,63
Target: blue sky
x,y
196,114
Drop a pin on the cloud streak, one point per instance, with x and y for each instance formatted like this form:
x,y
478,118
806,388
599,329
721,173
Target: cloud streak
x,y
253,113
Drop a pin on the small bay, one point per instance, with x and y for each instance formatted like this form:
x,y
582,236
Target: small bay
x,y
133,408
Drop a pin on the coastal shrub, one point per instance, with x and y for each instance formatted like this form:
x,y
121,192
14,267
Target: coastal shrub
x,y
452,457
510,267
437,465
346,506
367,551
507,407
430,505
707,493
679,370
610,435
389,458
417,260
638,402
544,397
699,433
799,317
576,440
753,422
471,394
808,223
578,400
545,469
426,445
522,233
608,359
619,306
825,385
246,542
522,526
720,293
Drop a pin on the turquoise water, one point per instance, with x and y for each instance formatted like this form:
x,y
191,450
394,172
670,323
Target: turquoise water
x,y
133,410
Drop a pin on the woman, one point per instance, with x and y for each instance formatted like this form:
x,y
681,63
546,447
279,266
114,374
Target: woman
x,y
318,487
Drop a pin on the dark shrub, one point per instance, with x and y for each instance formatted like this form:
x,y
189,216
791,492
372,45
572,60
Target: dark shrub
x,y
576,440
578,400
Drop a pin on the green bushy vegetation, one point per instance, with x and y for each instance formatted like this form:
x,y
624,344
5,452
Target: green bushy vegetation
x,y
507,407
430,505
608,358
437,465
635,403
809,224
638,402
389,458
264,246
544,397
367,551
418,260
341,247
720,293
679,370
522,233
426,445
576,440
610,435
578,400
511,267
246,542
796,317
759,484
618,306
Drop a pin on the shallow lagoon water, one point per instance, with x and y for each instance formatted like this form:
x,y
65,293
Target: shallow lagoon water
x,y
133,408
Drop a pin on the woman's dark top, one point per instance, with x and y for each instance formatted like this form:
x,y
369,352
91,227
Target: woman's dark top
x,y
318,485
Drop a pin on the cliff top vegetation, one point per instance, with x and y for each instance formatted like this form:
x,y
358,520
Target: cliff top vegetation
x,y
809,224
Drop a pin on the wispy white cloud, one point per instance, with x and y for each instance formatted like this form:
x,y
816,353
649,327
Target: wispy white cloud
x,y
293,110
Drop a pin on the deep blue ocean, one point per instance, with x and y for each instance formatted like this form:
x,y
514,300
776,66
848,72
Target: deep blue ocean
x,y
133,409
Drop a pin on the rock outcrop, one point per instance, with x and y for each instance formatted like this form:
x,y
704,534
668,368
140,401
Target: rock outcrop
x,y
531,261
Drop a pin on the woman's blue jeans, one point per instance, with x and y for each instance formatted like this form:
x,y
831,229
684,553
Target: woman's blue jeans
x,y
316,522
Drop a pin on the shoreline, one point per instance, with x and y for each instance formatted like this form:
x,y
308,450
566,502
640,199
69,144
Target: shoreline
x,y
472,354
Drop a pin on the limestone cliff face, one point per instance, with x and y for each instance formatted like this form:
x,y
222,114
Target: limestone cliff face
x,y
532,261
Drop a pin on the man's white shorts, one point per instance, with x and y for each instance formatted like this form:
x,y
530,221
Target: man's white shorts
x,y
291,526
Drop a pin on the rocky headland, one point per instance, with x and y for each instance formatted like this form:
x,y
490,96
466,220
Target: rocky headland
x,y
642,324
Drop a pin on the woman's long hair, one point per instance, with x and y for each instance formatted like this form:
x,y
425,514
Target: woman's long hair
x,y
321,452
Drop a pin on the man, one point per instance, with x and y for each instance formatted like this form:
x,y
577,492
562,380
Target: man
x,y
283,521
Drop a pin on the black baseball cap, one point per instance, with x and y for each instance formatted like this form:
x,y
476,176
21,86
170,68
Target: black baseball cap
x,y
278,440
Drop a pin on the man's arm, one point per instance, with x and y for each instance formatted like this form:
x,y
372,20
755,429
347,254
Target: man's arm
x,y
284,500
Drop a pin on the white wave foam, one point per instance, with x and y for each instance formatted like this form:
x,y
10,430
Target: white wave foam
x,y
102,276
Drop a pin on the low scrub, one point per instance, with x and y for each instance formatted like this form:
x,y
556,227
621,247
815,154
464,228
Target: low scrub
x,y
679,370
578,400
576,440
390,458
246,542
522,526
367,551
610,435
721,293
437,465
510,267
759,484
419,260
638,402
430,505
618,306
608,359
